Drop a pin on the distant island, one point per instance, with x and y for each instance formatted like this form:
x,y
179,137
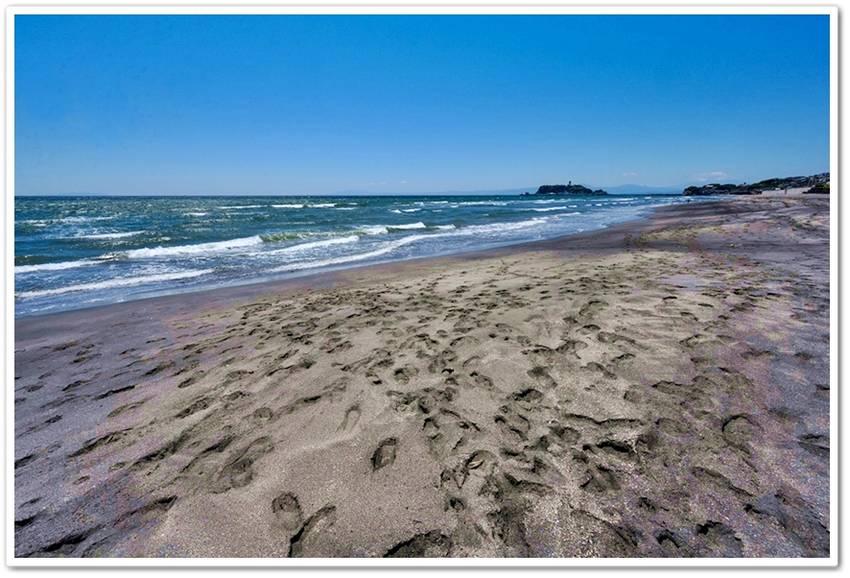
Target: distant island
x,y
568,189
812,184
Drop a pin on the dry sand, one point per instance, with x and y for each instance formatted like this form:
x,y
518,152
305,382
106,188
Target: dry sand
x,y
657,389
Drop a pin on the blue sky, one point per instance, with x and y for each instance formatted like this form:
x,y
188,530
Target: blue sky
x,y
319,105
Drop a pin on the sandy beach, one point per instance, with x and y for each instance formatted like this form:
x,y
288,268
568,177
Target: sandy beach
x,y
656,389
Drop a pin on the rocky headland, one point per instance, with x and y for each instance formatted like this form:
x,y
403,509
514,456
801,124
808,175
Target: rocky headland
x,y
811,184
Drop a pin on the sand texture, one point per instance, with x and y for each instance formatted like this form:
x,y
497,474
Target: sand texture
x,y
657,389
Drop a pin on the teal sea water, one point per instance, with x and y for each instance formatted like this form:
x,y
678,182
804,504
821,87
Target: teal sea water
x,y
73,252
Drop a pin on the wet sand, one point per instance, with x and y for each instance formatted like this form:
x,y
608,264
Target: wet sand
x,y
660,388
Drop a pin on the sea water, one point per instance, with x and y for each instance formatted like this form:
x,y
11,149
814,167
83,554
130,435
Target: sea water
x,y
73,252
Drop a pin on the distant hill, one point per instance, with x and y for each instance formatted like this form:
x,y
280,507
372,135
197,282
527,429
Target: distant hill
x,y
815,184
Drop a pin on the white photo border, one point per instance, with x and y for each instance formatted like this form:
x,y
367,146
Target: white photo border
x,y
400,7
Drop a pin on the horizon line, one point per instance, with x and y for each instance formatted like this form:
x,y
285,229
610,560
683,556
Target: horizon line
x,y
659,190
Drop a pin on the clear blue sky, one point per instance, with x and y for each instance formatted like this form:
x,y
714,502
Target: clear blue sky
x,y
312,105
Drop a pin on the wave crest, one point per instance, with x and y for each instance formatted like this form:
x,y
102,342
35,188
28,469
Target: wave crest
x,y
54,266
312,245
214,247
112,283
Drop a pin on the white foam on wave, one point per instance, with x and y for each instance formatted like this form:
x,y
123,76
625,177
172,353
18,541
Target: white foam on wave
x,y
445,227
391,246
313,245
84,219
547,209
503,227
196,214
231,207
483,203
383,250
322,205
111,235
289,206
214,247
346,208
374,230
53,266
384,229
112,283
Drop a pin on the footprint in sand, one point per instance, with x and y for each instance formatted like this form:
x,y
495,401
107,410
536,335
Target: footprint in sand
x,y
384,455
287,512
541,374
263,413
429,545
318,522
404,374
352,416
239,471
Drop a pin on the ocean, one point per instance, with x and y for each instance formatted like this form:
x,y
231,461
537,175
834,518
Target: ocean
x,y
74,252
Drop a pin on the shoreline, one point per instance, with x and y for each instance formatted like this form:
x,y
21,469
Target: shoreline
x,y
656,388
321,277
331,277
40,296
